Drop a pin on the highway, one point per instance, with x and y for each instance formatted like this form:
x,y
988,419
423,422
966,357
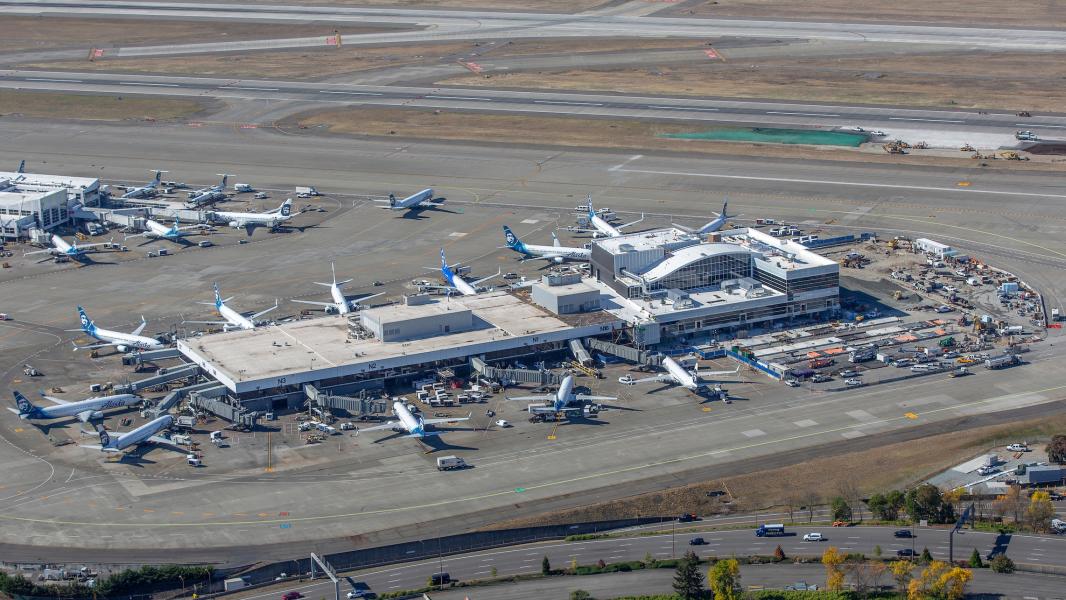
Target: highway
x,y
531,102
485,25
1029,549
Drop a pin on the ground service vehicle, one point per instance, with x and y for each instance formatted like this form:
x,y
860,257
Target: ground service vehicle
x,y
769,530
450,463
306,191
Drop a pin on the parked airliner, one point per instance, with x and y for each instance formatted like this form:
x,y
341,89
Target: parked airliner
x,y
246,220
556,253
416,202
676,374
719,220
60,247
562,401
415,426
117,442
84,410
123,342
174,233
146,190
341,305
233,319
600,227
457,283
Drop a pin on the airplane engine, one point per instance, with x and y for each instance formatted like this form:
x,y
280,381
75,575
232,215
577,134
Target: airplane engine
x,y
123,348
96,416
234,224
558,260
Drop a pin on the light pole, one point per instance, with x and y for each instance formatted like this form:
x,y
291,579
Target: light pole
x,y
182,578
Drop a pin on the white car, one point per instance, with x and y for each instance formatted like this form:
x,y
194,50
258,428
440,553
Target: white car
x,y
503,423
1018,448
626,380
356,594
792,383
852,382
814,537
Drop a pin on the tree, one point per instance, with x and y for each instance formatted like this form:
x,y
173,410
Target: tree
x,y
1012,504
877,551
834,576
1040,511
1056,450
926,558
866,575
580,595
649,560
779,553
811,499
901,572
975,559
841,509
926,502
895,501
688,585
1001,564
545,566
941,581
724,579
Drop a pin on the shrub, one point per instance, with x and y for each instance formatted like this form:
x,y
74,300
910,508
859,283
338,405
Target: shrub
x,y
1001,564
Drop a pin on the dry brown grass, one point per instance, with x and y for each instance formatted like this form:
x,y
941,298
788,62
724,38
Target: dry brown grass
x,y
40,33
893,466
96,107
1007,81
1035,13
315,63
584,132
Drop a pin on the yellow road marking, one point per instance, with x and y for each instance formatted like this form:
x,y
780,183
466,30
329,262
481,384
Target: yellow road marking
x,y
910,415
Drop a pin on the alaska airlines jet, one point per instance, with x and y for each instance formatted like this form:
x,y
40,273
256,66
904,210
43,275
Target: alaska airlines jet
x,y
174,233
600,227
556,253
561,401
211,194
414,426
60,247
117,442
719,220
243,220
233,319
21,171
341,305
457,283
421,201
146,190
123,342
85,410
676,374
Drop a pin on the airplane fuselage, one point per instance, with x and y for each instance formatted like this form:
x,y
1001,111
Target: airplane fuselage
x,y
339,300
234,318
412,424
128,340
680,376
139,434
76,408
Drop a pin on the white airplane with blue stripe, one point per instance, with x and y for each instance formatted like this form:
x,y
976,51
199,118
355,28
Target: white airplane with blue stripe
x,y
719,220
414,426
600,227
341,305
233,319
455,282
146,190
61,247
556,253
85,410
562,401
421,201
117,442
215,192
174,233
123,342
678,375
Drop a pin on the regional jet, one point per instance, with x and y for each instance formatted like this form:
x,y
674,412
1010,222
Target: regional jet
x,y
417,202
242,220
415,426
600,227
174,233
123,342
208,195
719,220
233,319
676,374
60,248
146,190
457,283
341,305
85,410
556,253
117,442
562,401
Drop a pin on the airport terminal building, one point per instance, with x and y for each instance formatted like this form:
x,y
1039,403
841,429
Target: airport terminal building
x,y
670,283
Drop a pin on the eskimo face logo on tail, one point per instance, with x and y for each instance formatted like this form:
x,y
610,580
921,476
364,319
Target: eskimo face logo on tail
x,y
509,235
23,404
86,323
286,209
105,440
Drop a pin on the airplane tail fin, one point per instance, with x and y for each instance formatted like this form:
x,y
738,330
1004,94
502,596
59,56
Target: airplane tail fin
x,y
105,440
158,177
512,240
286,207
86,323
443,260
592,211
223,184
218,297
555,240
25,407
22,167
392,200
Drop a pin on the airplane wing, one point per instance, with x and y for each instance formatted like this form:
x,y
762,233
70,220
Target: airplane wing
x,y
363,298
663,377
484,279
208,322
136,235
92,346
53,399
439,421
718,373
85,416
683,228
140,327
324,304
594,398
383,426
46,251
631,223
541,398
263,312
200,226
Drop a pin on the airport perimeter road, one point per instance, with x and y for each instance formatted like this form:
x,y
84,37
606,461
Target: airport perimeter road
x,y
549,103
1035,550
482,25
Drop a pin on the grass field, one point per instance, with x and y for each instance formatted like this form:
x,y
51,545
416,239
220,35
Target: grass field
x,y
576,131
49,33
1006,81
47,105
1032,13
894,466
546,6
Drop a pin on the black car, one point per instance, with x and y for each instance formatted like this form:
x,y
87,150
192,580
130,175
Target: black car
x,y
906,553
440,578
696,541
903,533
